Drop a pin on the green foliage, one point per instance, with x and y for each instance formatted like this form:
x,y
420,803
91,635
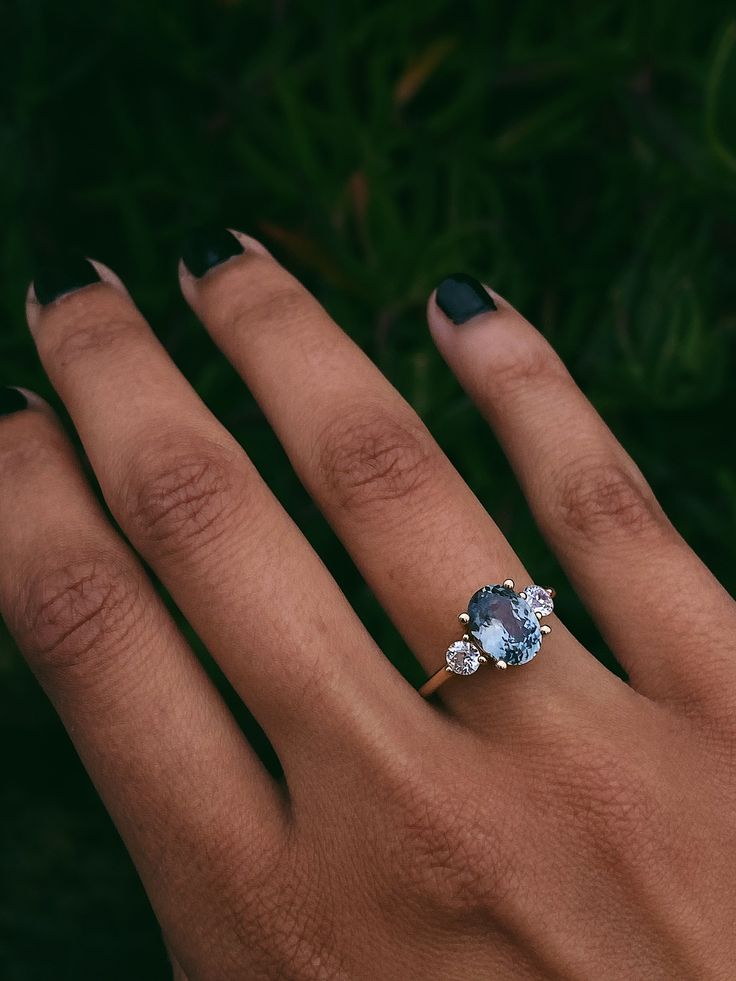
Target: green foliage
x,y
579,157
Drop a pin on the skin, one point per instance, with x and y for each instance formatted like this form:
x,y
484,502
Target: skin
x,y
544,822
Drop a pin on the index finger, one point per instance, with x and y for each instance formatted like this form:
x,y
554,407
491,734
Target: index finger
x,y
165,754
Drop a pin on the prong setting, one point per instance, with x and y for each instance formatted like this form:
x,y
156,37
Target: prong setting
x,y
462,657
503,628
540,600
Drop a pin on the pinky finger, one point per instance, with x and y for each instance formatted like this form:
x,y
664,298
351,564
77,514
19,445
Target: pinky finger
x,y
649,593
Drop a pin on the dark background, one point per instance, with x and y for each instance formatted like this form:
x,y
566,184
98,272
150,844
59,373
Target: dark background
x,y
580,157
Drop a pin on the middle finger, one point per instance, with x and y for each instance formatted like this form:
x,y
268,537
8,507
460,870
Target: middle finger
x,y
195,507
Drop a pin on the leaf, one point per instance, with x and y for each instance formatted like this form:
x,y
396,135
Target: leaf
x,y
421,68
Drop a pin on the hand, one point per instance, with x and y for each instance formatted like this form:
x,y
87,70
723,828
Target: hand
x,y
548,821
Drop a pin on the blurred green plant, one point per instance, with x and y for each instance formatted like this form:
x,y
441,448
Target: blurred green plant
x,y
579,157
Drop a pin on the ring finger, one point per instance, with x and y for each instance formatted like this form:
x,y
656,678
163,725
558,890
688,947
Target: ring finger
x,y
391,494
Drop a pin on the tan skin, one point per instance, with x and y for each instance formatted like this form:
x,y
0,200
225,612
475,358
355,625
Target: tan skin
x,y
545,822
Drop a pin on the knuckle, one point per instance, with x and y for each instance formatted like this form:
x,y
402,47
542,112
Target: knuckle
x,y
611,799
79,612
280,918
600,497
40,449
372,456
279,307
522,364
87,327
616,795
445,853
179,493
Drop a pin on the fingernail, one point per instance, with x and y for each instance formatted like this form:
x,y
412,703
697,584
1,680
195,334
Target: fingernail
x,y
460,297
65,276
208,247
11,400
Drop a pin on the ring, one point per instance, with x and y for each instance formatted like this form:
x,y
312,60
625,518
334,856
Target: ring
x,y
503,628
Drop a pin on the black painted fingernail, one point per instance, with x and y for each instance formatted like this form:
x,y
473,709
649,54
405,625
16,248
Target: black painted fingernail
x,y
208,247
63,276
461,298
11,400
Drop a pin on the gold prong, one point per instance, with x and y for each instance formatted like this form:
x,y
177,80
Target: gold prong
x,y
501,665
449,669
538,616
522,594
466,637
550,591
545,629
482,659
508,583
463,618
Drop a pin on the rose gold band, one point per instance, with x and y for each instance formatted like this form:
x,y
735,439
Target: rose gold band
x,y
432,684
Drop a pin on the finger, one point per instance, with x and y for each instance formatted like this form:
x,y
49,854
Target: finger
x,y
177,973
418,534
194,506
166,756
648,592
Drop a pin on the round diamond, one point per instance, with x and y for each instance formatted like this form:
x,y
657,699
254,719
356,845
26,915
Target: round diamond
x,y
539,600
463,657
504,625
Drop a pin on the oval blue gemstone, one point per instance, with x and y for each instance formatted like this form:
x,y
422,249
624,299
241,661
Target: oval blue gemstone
x,y
503,625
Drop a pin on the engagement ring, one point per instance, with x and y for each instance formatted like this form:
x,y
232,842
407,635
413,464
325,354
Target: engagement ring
x,y
503,628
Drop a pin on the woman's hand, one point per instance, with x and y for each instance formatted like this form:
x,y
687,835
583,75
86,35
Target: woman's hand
x,y
546,822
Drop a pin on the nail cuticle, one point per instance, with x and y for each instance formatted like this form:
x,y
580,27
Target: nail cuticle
x,y
461,297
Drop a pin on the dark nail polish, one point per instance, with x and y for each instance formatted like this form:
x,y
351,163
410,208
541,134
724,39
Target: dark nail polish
x,y
208,247
461,298
11,400
64,276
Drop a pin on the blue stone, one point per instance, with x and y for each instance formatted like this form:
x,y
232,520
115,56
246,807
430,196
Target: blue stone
x,y
503,625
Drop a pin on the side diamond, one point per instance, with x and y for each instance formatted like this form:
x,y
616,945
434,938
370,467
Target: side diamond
x,y
462,657
539,600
